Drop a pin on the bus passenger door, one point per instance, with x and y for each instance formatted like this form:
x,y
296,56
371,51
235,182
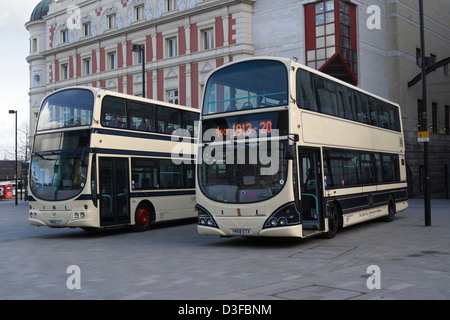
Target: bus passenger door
x,y
310,186
114,191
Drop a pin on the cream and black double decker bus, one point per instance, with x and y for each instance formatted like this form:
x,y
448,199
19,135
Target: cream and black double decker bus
x,y
104,159
291,152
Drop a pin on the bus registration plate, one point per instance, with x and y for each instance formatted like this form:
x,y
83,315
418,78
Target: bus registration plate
x,y
241,231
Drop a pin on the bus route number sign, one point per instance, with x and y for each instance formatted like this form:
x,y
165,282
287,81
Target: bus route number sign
x,y
423,136
246,129
248,125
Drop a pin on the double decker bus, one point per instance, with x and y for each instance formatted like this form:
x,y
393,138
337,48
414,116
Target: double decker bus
x,y
288,151
104,159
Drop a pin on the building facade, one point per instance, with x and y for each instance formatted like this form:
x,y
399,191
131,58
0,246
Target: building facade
x,y
369,43
405,86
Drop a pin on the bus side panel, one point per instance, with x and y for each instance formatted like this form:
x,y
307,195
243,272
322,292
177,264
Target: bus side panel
x,y
174,207
326,130
364,215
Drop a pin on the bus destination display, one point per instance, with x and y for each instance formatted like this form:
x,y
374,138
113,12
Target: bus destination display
x,y
255,125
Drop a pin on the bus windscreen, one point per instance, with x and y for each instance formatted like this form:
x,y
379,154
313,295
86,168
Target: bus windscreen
x,y
249,85
68,108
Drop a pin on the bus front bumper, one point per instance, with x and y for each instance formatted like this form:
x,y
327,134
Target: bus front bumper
x,y
61,219
289,231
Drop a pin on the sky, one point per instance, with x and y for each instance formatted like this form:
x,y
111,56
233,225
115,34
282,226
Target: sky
x,y
14,73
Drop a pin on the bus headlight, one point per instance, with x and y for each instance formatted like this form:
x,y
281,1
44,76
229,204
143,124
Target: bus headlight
x,y
284,216
273,222
205,218
282,221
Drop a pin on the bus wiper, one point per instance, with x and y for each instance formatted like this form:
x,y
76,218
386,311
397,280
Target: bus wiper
x,y
82,159
41,156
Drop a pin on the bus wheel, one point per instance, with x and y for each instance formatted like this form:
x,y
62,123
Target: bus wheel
x,y
333,222
142,218
391,211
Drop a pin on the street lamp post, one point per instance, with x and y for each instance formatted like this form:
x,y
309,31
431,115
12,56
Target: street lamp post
x,y
15,112
141,48
424,124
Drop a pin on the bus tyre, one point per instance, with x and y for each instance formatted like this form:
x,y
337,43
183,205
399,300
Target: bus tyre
x,y
333,222
142,218
391,211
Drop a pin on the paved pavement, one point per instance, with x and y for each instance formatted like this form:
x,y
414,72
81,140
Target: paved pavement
x,y
405,259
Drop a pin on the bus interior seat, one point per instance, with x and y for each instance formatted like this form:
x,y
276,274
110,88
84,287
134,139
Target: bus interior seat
x,y
113,123
247,105
143,127
168,130
232,107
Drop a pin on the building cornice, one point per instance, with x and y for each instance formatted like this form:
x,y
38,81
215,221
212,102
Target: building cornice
x,y
35,57
33,23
